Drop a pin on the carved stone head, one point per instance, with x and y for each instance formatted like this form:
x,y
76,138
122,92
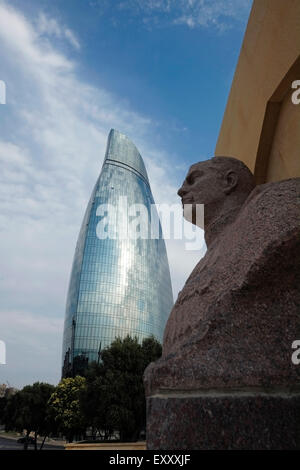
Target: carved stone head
x,y
221,184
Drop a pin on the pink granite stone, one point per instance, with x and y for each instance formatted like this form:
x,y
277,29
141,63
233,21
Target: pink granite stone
x,y
234,322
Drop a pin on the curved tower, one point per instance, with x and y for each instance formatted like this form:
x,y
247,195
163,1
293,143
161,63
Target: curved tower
x,y
119,284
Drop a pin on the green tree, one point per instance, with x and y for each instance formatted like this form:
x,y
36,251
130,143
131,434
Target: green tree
x,y
12,413
95,401
28,409
3,403
114,397
64,406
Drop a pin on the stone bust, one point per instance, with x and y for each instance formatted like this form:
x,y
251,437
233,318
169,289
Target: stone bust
x,y
238,313
222,184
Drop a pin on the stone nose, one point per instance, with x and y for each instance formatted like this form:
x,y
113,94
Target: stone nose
x,y
181,191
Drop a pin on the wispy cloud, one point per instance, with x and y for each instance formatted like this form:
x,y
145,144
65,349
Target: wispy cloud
x,y
53,136
219,14
50,27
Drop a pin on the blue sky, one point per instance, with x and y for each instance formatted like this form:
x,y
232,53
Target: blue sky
x,y
158,70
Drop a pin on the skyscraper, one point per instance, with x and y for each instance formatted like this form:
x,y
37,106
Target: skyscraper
x,y
119,284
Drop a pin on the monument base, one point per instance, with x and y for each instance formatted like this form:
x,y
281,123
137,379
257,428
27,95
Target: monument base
x,y
211,420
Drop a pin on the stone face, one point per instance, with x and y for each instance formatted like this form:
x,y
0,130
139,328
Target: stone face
x,y
233,325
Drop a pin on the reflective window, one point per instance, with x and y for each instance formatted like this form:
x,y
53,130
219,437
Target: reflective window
x,y
117,286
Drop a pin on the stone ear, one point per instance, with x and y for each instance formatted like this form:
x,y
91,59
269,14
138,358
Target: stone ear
x,y
231,181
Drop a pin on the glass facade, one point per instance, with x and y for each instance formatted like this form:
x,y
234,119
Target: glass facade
x,y
119,285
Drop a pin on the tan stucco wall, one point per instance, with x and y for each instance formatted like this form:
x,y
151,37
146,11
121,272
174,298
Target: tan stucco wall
x,y
284,159
270,48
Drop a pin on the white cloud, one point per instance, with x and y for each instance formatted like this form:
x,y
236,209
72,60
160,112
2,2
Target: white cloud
x,y
50,27
23,41
219,14
53,141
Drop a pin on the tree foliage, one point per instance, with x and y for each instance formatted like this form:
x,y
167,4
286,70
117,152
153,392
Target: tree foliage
x,y
27,409
110,397
64,406
114,398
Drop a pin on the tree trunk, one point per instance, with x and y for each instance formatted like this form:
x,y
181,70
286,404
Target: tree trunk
x,y
26,440
42,444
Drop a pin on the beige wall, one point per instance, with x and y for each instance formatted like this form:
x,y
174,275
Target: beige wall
x,y
284,158
261,126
